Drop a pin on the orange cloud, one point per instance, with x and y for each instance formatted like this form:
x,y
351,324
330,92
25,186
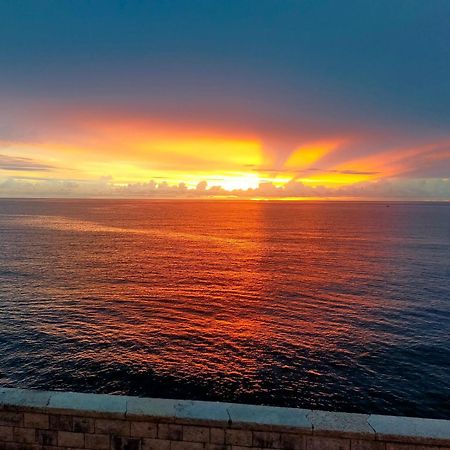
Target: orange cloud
x,y
311,153
397,161
129,150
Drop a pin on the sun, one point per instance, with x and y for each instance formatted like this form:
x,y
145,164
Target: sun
x,y
240,182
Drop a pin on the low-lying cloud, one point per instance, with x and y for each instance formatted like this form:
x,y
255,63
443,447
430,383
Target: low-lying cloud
x,y
395,188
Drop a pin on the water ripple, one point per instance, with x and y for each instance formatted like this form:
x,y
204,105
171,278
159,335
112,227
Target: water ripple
x,y
334,306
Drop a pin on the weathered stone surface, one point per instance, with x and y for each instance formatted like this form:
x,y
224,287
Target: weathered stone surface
x,y
410,429
70,439
97,441
217,435
16,446
266,439
361,444
144,429
327,443
83,424
211,413
47,437
60,422
11,418
270,416
112,426
23,398
239,437
125,443
6,433
192,433
211,446
398,446
155,444
336,423
150,407
427,447
24,435
171,432
73,403
292,441
179,445
36,420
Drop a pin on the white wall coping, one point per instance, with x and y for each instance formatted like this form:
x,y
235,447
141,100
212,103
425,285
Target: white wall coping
x,y
304,421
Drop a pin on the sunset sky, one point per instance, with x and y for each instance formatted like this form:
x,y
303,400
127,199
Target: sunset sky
x,y
244,98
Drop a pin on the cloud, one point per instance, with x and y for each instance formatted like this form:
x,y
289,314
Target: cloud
x,y
15,163
401,188
412,189
315,169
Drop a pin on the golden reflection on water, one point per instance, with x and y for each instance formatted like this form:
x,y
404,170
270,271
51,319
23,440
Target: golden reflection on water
x,y
213,288
264,296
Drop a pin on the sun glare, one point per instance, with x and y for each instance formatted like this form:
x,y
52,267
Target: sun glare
x,y
241,182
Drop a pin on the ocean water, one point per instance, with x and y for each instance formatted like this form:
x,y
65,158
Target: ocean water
x,y
336,306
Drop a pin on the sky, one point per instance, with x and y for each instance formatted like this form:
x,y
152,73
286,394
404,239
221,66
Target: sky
x,y
236,98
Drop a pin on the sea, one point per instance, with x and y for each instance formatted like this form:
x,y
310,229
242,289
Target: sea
x,y
341,306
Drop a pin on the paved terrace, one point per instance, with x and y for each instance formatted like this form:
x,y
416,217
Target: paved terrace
x,y
33,420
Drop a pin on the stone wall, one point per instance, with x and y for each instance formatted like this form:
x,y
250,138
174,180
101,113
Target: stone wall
x,y
63,420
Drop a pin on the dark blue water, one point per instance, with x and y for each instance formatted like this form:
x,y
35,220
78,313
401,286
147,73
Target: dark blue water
x,y
338,306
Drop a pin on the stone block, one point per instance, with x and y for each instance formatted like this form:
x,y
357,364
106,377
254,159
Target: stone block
x,y
397,446
207,413
83,424
266,439
180,445
150,407
326,443
47,437
97,441
270,416
11,418
24,399
217,435
36,420
217,447
240,447
292,441
427,447
239,437
6,433
144,429
112,426
155,444
125,443
192,433
361,444
169,431
411,429
60,422
16,446
92,404
336,423
24,435
70,439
